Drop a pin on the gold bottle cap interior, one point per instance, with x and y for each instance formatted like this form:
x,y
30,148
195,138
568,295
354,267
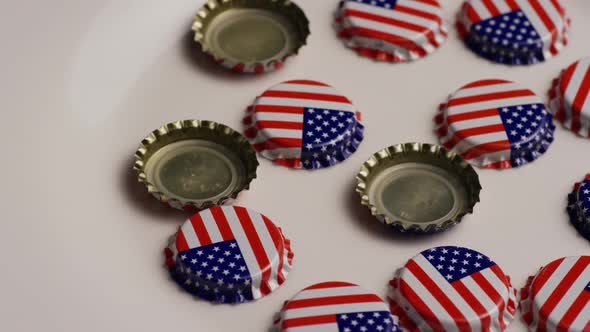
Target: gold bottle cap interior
x,y
195,170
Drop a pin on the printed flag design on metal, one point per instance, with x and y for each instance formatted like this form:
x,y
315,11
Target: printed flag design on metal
x,y
338,307
495,124
558,298
229,255
579,207
400,29
514,31
570,97
452,289
304,124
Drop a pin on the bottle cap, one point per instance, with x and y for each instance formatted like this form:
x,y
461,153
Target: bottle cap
x,y
579,207
569,99
251,36
517,32
391,30
335,306
418,187
452,289
304,124
558,297
229,254
193,164
495,124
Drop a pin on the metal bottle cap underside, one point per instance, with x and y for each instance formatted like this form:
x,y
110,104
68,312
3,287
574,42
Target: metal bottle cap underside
x,y
251,35
417,193
195,170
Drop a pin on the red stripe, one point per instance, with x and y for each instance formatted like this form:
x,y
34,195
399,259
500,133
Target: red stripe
x,y
279,143
587,327
579,101
484,83
434,3
465,133
390,38
385,20
304,321
257,247
491,7
200,230
419,13
499,164
439,295
490,96
305,95
574,310
472,115
545,18
559,291
404,319
486,148
538,284
505,280
512,4
306,82
280,125
181,244
474,303
558,7
332,300
471,13
222,223
566,77
493,294
331,284
276,237
279,109
420,306
293,163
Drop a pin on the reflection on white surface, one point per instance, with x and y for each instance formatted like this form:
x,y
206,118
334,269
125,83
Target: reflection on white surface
x,y
123,40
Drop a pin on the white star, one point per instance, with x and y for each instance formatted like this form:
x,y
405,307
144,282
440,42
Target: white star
x,y
360,315
430,257
194,261
477,265
343,317
479,256
455,252
449,276
463,271
183,257
440,267
445,251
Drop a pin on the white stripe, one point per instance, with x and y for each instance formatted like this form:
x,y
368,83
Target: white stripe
x,y
295,87
335,309
274,116
482,90
427,297
483,298
283,153
273,256
331,327
572,89
246,250
471,142
502,6
189,235
389,48
461,304
496,103
553,14
568,299
475,123
305,103
332,291
421,6
400,16
480,9
211,226
266,133
535,20
583,318
549,288
501,288
491,158
418,38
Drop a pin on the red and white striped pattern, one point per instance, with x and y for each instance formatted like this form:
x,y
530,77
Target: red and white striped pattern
x,y
470,123
274,123
412,30
570,97
556,299
266,251
548,17
315,308
424,301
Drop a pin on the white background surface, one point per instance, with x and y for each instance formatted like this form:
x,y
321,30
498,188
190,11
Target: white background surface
x,y
84,81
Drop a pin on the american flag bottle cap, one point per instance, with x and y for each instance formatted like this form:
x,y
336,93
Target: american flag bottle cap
x,y
452,289
495,123
518,32
250,36
303,124
558,297
195,164
391,30
579,207
417,187
570,100
229,254
335,307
